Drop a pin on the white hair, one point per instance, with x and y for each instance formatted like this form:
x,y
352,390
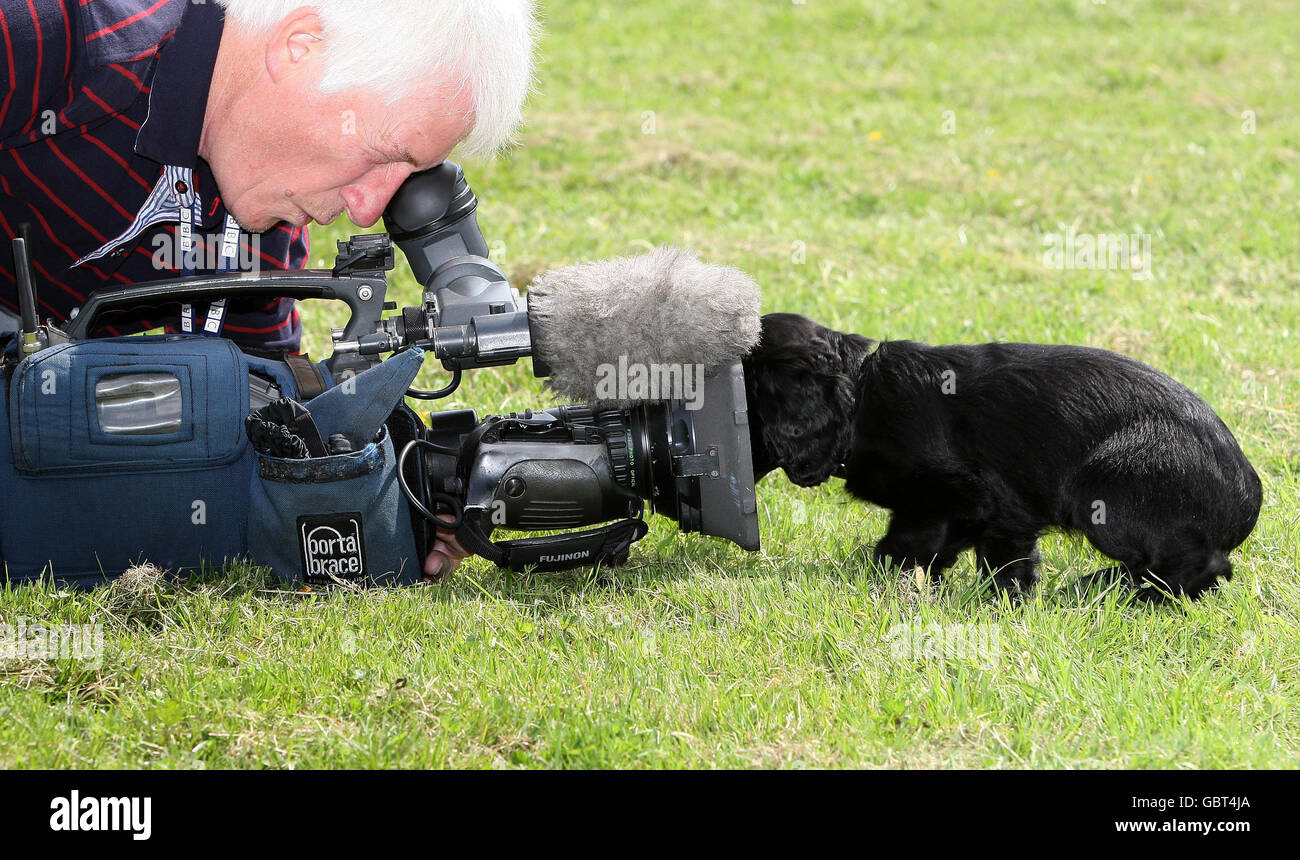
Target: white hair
x,y
395,47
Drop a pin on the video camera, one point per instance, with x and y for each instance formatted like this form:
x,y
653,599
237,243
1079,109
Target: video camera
x,y
552,469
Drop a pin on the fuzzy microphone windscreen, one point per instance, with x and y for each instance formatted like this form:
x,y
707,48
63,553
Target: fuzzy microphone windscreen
x,y
665,309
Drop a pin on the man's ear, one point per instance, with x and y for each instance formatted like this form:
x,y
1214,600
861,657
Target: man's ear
x,y
295,45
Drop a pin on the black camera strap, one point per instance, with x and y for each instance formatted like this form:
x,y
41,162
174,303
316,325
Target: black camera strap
x,y
608,545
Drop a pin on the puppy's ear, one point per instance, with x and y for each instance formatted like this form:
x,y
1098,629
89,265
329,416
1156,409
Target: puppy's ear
x,y
805,424
803,391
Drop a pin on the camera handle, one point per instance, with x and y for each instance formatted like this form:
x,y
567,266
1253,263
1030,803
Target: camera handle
x,y
607,545
364,296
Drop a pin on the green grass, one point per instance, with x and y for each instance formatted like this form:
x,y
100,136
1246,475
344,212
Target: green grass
x,y
819,124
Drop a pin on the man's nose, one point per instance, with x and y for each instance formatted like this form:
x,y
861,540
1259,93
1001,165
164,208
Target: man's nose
x,y
366,199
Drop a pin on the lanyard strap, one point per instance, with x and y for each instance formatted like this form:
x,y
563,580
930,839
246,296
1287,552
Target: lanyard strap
x,y
191,213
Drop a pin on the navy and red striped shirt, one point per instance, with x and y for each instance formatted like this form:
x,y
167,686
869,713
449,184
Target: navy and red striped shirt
x,y
97,98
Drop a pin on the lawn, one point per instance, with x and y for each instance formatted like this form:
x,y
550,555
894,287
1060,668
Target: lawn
x,y
894,169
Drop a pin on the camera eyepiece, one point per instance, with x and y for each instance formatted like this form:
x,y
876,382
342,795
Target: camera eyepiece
x,y
432,219
471,316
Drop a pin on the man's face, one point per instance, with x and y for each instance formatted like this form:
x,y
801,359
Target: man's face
x,y
283,151
329,155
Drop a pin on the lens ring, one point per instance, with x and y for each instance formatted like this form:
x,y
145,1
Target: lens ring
x,y
617,436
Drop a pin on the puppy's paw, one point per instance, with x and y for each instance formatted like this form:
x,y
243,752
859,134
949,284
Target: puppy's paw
x,y
891,557
1016,590
1016,581
1100,580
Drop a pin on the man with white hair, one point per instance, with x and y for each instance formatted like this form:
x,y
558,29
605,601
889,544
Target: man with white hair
x,y
130,126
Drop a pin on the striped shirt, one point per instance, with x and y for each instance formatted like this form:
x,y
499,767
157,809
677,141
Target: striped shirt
x,y
101,109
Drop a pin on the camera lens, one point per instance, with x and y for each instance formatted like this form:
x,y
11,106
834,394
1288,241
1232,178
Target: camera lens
x,y
646,445
692,460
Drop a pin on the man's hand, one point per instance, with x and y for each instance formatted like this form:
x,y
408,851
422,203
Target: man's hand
x,y
444,556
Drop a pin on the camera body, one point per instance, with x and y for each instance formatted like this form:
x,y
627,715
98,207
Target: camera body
x,y
581,464
546,470
563,467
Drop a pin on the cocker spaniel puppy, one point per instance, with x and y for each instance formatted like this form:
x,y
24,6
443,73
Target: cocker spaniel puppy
x,y
986,446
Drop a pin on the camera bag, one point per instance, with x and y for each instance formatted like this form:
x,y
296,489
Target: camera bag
x,y
120,451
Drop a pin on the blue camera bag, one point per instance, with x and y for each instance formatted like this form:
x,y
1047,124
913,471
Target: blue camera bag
x,y
119,451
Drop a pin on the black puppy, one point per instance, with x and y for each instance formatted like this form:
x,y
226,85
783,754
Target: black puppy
x,y
986,446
